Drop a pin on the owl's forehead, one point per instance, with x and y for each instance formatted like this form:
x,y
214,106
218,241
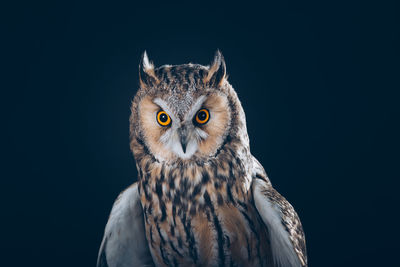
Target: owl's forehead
x,y
181,74
180,104
181,86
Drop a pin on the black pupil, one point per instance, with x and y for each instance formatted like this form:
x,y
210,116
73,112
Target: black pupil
x,y
202,115
163,117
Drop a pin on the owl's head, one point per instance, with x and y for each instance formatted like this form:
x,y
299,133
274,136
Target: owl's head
x,y
184,112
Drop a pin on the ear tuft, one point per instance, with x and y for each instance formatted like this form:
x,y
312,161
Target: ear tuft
x,y
147,75
217,71
147,65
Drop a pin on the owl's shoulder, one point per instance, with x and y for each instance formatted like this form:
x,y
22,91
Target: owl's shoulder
x,y
124,241
258,171
286,232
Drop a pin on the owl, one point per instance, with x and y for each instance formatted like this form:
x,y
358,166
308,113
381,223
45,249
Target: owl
x,y
201,198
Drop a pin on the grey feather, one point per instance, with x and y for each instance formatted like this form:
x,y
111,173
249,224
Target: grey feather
x,y
124,243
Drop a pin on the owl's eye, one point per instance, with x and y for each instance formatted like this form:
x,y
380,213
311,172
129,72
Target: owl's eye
x,y
163,118
202,116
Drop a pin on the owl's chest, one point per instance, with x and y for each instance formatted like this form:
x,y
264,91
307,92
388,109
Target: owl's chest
x,y
204,231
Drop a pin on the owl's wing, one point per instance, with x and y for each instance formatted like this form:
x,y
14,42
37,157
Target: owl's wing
x,y
124,243
284,226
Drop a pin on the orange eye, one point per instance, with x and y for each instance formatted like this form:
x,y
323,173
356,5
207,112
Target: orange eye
x,y
163,118
202,116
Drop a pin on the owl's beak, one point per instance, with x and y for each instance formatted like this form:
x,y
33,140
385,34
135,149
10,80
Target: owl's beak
x,y
183,135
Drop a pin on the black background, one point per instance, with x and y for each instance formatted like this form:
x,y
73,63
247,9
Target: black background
x,y
318,80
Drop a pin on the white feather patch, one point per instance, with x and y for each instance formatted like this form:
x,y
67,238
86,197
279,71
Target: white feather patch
x,y
147,65
282,249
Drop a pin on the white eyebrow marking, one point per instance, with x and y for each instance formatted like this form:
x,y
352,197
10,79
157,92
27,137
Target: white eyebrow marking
x,y
165,107
195,107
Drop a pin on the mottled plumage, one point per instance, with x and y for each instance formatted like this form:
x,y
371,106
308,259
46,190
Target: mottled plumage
x,y
205,200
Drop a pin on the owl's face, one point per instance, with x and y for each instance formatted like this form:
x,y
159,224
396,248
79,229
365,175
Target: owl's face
x,y
182,114
199,130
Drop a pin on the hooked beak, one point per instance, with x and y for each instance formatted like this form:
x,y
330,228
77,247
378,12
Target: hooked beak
x,y
183,136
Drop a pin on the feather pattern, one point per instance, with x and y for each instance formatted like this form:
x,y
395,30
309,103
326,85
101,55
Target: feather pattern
x,y
201,199
285,230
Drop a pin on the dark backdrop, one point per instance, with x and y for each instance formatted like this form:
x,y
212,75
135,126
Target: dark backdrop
x,y
318,80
